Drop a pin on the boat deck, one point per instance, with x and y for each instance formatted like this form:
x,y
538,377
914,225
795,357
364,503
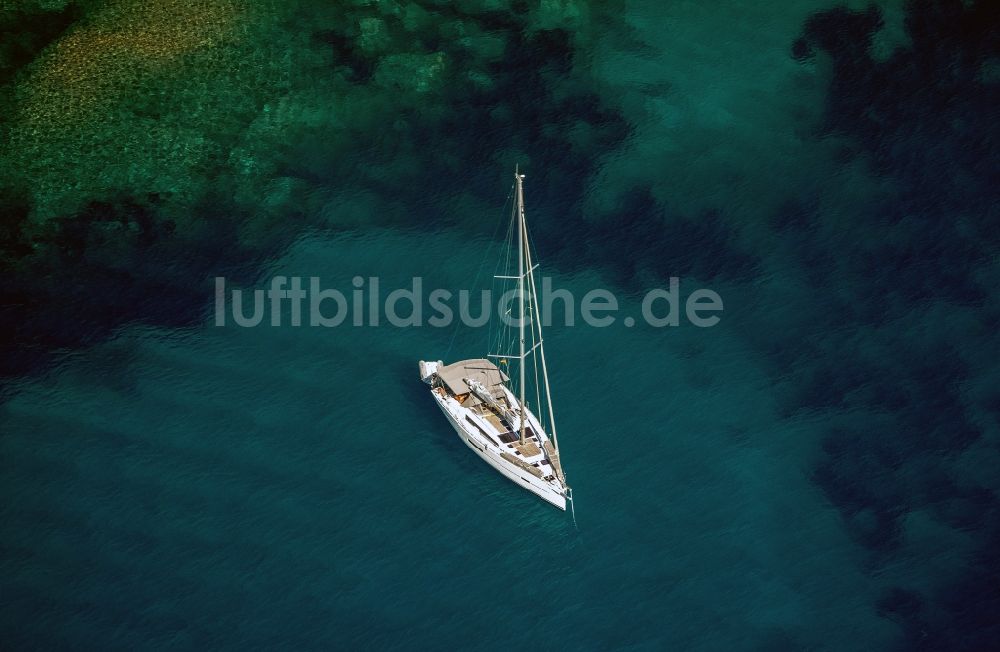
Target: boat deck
x,y
535,455
529,448
493,419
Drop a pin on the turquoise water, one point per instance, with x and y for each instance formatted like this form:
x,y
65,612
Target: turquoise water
x,y
294,487
816,472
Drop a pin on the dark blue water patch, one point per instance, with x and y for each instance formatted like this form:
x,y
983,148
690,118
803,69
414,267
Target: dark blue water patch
x,y
906,257
973,601
922,391
927,121
658,244
962,505
957,615
926,114
908,608
846,35
858,473
347,54
114,262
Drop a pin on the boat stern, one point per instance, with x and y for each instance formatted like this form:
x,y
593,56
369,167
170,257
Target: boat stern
x,y
427,370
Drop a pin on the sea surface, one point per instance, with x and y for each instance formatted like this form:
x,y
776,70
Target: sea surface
x,y
297,487
819,471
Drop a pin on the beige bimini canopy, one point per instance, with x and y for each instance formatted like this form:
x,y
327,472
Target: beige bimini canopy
x,y
482,370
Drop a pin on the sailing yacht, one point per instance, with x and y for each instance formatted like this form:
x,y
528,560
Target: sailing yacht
x,y
487,408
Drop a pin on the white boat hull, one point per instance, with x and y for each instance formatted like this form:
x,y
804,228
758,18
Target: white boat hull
x,y
491,455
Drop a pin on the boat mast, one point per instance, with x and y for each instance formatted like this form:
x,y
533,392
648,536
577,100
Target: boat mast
x,y
520,289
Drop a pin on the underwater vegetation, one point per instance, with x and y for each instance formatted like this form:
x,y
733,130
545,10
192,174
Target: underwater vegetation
x,y
146,143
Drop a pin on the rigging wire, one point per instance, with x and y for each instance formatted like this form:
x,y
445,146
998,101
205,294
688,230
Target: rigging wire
x,y
536,329
482,263
495,340
502,269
